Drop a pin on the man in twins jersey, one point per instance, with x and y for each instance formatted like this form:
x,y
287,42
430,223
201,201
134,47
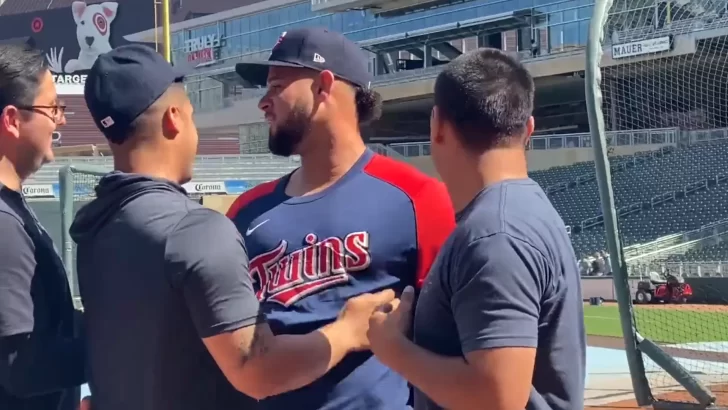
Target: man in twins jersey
x,y
346,222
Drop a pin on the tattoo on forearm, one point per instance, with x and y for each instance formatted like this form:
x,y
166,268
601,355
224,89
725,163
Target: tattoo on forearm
x,y
257,345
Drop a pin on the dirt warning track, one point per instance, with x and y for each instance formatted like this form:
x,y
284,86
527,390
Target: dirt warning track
x,y
693,307
719,390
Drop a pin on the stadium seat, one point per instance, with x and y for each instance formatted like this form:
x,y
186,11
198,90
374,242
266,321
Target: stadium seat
x,y
712,253
695,210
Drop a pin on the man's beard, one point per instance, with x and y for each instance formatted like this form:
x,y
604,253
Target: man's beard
x,y
287,136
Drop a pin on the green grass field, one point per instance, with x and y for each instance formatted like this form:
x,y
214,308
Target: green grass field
x,y
669,324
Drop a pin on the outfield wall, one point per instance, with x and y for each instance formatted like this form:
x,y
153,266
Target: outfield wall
x,y
705,290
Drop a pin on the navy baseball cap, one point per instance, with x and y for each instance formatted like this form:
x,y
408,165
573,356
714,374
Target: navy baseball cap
x,y
316,48
123,83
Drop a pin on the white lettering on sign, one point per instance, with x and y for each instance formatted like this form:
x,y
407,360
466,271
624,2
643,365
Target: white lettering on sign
x,y
205,187
38,191
201,43
637,48
69,79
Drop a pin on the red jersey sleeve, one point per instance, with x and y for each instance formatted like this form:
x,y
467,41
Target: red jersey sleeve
x,y
249,196
435,220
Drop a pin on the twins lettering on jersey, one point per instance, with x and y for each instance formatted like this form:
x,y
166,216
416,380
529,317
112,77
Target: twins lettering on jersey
x,y
287,278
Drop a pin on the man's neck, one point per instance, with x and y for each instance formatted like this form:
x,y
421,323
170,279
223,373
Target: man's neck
x,y
321,167
9,176
488,169
145,163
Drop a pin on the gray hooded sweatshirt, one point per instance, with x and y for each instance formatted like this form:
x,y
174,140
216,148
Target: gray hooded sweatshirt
x,y
157,273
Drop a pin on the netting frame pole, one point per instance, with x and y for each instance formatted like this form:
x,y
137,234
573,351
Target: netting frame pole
x,y
635,345
696,389
66,188
592,75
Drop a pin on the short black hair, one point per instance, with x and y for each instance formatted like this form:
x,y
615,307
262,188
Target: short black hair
x,y
368,105
487,96
144,122
21,71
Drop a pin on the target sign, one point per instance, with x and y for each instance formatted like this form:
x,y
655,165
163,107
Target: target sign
x,y
102,25
36,25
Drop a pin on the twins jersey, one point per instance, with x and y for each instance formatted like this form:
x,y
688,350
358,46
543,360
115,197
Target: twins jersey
x,y
378,227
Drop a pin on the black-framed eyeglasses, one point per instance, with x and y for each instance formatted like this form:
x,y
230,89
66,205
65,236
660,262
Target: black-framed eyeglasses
x,y
56,111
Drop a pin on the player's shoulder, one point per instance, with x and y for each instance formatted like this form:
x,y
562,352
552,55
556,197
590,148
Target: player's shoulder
x,y
410,180
258,192
198,218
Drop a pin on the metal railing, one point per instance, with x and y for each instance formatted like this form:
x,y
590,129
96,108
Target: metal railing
x,y
693,269
685,26
576,140
670,242
386,151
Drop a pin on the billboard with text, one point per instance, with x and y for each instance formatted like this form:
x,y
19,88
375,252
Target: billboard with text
x,y
72,38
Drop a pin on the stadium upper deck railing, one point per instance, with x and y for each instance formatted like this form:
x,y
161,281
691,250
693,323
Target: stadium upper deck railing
x,y
207,168
618,37
199,160
708,21
705,22
576,140
583,140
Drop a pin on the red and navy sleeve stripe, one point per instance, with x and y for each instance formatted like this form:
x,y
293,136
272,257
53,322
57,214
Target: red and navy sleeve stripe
x,y
257,192
435,221
433,210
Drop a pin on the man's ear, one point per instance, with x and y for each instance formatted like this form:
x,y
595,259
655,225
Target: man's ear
x,y
10,121
325,83
171,122
530,127
436,127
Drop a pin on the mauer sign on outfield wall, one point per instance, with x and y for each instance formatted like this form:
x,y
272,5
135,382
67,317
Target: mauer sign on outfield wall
x,y
638,48
71,38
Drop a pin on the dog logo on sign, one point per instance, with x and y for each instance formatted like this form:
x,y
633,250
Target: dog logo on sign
x,y
93,23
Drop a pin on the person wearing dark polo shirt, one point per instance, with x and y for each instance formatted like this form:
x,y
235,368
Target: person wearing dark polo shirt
x,y
172,319
41,354
499,322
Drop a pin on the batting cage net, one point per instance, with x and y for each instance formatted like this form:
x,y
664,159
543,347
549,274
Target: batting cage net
x,y
661,65
77,185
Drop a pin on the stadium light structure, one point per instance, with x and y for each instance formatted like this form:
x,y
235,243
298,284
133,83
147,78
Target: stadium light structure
x,y
166,31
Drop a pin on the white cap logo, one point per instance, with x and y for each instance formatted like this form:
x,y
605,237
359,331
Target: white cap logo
x,y
318,58
107,122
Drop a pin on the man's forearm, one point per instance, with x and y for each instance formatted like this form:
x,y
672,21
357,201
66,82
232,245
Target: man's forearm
x,y
449,381
34,365
295,361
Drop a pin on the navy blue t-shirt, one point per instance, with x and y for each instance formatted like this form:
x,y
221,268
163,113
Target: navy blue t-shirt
x,y
380,226
44,370
507,277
